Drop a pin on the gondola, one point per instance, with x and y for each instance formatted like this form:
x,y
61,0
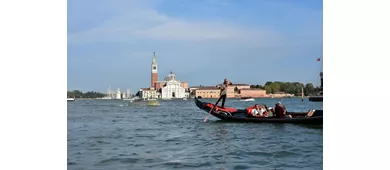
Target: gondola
x,y
240,115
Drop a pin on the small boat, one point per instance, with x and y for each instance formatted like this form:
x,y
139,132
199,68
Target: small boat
x,y
247,99
239,115
153,102
135,99
71,99
184,98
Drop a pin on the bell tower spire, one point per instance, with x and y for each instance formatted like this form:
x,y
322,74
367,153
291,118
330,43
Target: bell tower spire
x,y
154,71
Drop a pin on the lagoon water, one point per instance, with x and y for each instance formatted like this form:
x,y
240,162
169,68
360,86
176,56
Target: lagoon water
x,y
118,135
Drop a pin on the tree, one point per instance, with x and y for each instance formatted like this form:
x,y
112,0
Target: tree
x,y
275,87
70,94
80,94
77,93
268,83
309,89
268,89
256,86
259,86
290,88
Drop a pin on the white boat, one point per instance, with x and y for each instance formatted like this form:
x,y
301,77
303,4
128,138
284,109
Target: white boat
x,y
247,99
184,98
71,99
135,99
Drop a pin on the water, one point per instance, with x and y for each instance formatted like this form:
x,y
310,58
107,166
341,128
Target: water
x,y
114,134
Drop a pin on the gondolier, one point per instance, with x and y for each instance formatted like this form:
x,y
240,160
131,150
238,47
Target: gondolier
x,y
223,93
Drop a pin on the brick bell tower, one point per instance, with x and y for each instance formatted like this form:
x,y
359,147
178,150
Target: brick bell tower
x,y
154,71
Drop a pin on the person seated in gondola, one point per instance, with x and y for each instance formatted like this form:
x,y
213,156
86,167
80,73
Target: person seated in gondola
x,y
264,111
255,111
271,110
280,112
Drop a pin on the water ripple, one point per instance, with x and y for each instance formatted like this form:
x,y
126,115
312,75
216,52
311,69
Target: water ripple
x,y
118,135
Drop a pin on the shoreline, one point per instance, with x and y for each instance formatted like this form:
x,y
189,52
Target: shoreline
x,y
193,98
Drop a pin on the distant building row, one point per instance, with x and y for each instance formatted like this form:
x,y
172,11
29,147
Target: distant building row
x,y
172,88
118,94
234,91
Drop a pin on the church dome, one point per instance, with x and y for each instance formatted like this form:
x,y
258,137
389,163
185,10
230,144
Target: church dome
x,y
170,77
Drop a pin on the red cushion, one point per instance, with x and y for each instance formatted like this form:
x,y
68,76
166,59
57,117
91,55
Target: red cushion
x,y
228,109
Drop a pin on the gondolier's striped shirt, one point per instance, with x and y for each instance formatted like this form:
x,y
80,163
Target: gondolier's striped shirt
x,y
224,88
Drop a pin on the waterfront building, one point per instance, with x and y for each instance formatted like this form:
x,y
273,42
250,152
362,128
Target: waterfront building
x,y
124,95
253,92
108,95
172,88
118,94
206,91
128,94
231,92
154,76
148,93
243,90
169,88
111,94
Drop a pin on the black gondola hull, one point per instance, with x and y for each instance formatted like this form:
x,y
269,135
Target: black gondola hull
x,y
239,115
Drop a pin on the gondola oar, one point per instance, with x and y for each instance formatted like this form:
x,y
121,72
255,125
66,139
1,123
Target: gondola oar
x,y
220,97
211,110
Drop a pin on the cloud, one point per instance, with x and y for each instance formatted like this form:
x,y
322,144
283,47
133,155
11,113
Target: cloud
x,y
112,41
146,23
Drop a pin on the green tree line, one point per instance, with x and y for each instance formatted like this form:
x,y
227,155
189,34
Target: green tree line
x,y
288,87
80,94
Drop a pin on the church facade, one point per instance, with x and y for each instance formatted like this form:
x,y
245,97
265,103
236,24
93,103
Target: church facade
x,y
172,88
169,88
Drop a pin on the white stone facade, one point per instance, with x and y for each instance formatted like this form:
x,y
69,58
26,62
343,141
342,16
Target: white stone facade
x,y
172,89
148,94
118,94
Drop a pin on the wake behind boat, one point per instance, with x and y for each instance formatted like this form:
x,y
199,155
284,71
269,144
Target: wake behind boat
x,y
239,115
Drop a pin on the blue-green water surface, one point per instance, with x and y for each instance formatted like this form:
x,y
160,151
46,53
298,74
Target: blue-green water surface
x,y
116,134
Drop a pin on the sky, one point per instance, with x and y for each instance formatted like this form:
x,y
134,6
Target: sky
x,y
111,42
